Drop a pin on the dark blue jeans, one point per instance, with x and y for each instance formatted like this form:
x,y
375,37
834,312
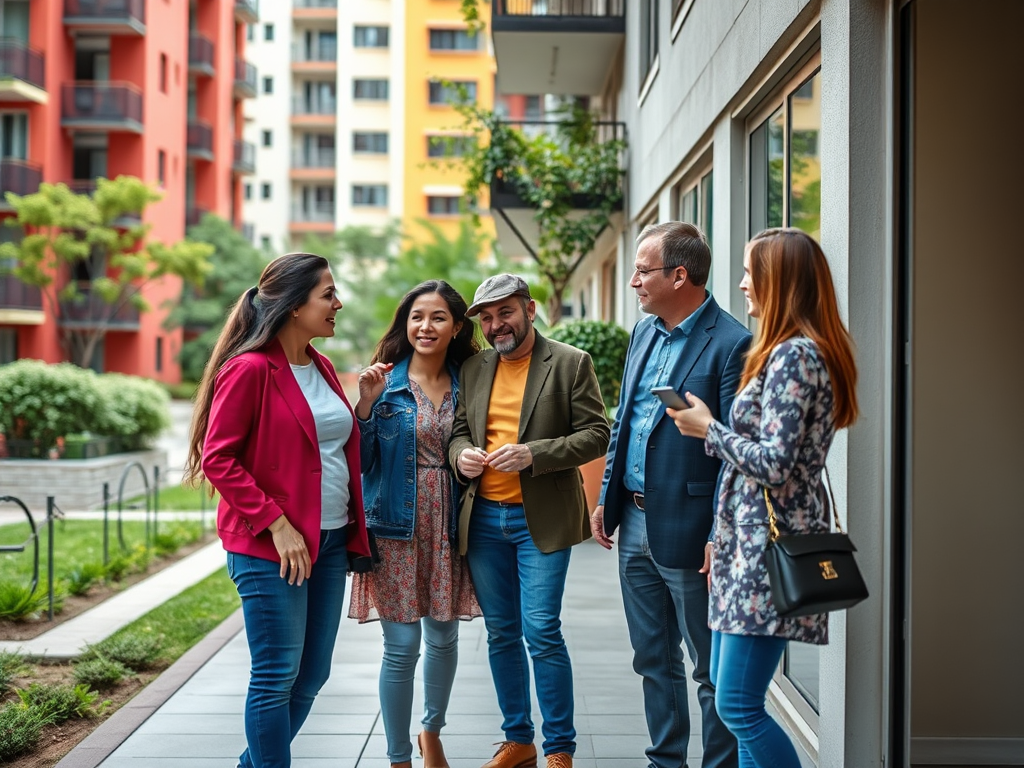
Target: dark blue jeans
x,y
291,632
520,592
742,667
666,607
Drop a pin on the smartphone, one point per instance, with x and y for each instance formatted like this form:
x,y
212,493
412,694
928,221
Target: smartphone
x,y
670,397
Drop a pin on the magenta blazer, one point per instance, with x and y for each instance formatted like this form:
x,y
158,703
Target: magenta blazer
x,y
261,453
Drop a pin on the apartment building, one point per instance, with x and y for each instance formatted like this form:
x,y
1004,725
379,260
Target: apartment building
x,y
94,89
346,109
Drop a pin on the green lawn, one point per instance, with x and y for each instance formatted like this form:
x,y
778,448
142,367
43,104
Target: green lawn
x,y
178,497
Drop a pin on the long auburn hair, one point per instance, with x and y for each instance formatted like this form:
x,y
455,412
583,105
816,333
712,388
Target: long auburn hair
x,y
793,285
258,316
395,346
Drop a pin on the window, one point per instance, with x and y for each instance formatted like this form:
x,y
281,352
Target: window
x,y
449,146
161,166
268,138
694,204
14,135
371,90
443,205
268,32
648,37
268,85
370,37
453,40
370,143
457,91
8,345
159,362
265,242
163,73
375,195
265,190
534,110
250,32
247,191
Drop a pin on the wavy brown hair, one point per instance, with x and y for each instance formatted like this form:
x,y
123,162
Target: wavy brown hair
x,y
257,317
395,346
793,285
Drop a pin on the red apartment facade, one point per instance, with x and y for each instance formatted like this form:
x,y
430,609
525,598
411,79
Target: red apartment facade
x,y
100,88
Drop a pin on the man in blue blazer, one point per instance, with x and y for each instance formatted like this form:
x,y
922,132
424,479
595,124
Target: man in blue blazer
x,y
659,487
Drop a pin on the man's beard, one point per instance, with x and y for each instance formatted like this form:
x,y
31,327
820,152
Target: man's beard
x,y
507,347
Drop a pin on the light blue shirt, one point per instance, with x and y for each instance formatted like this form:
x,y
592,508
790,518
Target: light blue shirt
x,y
647,408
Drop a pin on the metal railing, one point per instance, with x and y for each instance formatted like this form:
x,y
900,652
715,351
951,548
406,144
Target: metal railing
x,y
52,513
19,61
315,4
320,53
247,10
245,77
101,102
89,309
244,159
304,106
318,212
106,9
19,176
200,53
15,294
323,158
199,137
561,8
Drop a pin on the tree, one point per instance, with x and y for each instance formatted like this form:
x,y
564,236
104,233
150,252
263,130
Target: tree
x,y
92,251
236,267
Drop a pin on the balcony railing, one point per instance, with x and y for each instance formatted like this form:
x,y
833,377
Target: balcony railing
x,y
20,62
199,140
88,310
18,176
101,106
244,157
320,54
194,214
315,3
315,213
303,106
576,8
15,294
200,54
323,158
245,80
109,16
247,11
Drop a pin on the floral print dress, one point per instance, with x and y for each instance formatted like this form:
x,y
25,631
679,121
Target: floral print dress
x,y
425,576
782,425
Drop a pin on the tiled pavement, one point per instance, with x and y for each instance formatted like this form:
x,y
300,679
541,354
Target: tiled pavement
x,y
200,726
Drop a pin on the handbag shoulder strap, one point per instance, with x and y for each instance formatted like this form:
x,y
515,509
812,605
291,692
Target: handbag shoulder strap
x,y
773,528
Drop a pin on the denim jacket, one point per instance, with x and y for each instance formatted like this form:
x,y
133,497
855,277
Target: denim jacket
x,y
389,458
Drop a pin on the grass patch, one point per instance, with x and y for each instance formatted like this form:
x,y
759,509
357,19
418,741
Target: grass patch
x,y
186,390
11,665
180,498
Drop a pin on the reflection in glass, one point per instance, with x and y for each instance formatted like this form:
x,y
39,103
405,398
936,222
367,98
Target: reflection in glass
x,y
801,667
776,167
805,158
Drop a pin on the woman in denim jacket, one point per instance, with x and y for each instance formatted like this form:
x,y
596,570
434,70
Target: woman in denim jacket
x,y
421,586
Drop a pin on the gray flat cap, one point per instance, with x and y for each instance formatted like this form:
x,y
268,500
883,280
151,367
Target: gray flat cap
x,y
497,288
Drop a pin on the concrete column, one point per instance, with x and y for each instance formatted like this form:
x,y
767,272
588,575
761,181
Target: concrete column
x,y
728,215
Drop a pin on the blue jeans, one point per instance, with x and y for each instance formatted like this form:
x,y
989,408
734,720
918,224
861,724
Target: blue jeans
x,y
291,632
401,652
666,607
520,592
742,666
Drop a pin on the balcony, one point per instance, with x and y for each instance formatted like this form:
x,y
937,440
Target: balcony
x,y
194,214
312,59
19,177
515,224
244,160
22,72
314,113
245,80
89,310
105,17
313,165
200,55
95,106
315,10
247,11
556,46
199,140
313,218
20,304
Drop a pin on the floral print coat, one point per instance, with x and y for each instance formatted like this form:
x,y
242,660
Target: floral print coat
x,y
782,425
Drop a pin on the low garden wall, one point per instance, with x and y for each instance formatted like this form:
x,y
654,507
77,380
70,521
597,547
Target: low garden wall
x,y
77,484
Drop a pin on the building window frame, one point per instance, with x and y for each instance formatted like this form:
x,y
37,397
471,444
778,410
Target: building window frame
x,y
268,33
268,84
440,145
267,138
369,195
452,40
692,202
680,10
371,36
164,73
371,89
161,167
440,206
266,191
370,142
648,48
442,95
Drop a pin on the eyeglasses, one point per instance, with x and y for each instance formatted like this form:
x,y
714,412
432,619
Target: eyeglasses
x,y
646,272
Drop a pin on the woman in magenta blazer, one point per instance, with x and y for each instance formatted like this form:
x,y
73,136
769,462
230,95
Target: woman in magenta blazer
x,y
273,433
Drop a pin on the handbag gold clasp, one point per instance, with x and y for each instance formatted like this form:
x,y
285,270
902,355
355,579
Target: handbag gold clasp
x,y
827,571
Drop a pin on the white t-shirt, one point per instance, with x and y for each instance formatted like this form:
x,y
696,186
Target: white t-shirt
x,y
333,429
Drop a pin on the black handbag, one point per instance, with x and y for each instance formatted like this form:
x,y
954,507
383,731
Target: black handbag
x,y
812,573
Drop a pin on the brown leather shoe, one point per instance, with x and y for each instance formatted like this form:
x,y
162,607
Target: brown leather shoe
x,y
431,750
512,754
559,760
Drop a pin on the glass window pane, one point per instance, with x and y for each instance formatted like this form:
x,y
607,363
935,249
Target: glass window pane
x,y
805,158
776,168
706,209
800,665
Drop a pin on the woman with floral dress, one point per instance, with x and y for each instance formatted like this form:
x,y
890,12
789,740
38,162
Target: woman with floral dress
x,y
797,389
421,587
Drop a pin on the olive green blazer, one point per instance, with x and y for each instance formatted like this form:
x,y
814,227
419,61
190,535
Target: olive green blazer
x,y
563,422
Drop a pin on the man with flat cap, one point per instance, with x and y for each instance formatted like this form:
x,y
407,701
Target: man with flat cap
x,y
530,413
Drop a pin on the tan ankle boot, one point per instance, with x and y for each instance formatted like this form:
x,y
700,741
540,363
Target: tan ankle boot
x,y
431,750
511,754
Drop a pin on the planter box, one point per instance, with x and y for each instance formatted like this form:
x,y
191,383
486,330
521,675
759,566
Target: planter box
x,y
93,448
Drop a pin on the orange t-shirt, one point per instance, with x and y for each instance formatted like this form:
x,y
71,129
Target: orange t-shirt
x,y
503,428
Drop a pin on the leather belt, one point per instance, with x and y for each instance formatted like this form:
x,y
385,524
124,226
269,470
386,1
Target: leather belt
x,y
638,499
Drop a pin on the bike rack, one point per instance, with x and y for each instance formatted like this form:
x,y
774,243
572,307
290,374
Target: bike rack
x,y
120,503
52,513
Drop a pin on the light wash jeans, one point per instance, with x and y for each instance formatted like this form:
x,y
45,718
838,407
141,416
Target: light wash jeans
x,y
520,592
291,632
401,652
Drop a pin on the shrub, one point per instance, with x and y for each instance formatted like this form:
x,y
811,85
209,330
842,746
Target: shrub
x,y
606,343
81,578
117,567
132,649
101,673
137,407
20,727
57,703
18,601
11,665
173,538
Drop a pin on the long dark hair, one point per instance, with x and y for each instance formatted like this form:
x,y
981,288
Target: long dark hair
x,y
258,316
395,345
